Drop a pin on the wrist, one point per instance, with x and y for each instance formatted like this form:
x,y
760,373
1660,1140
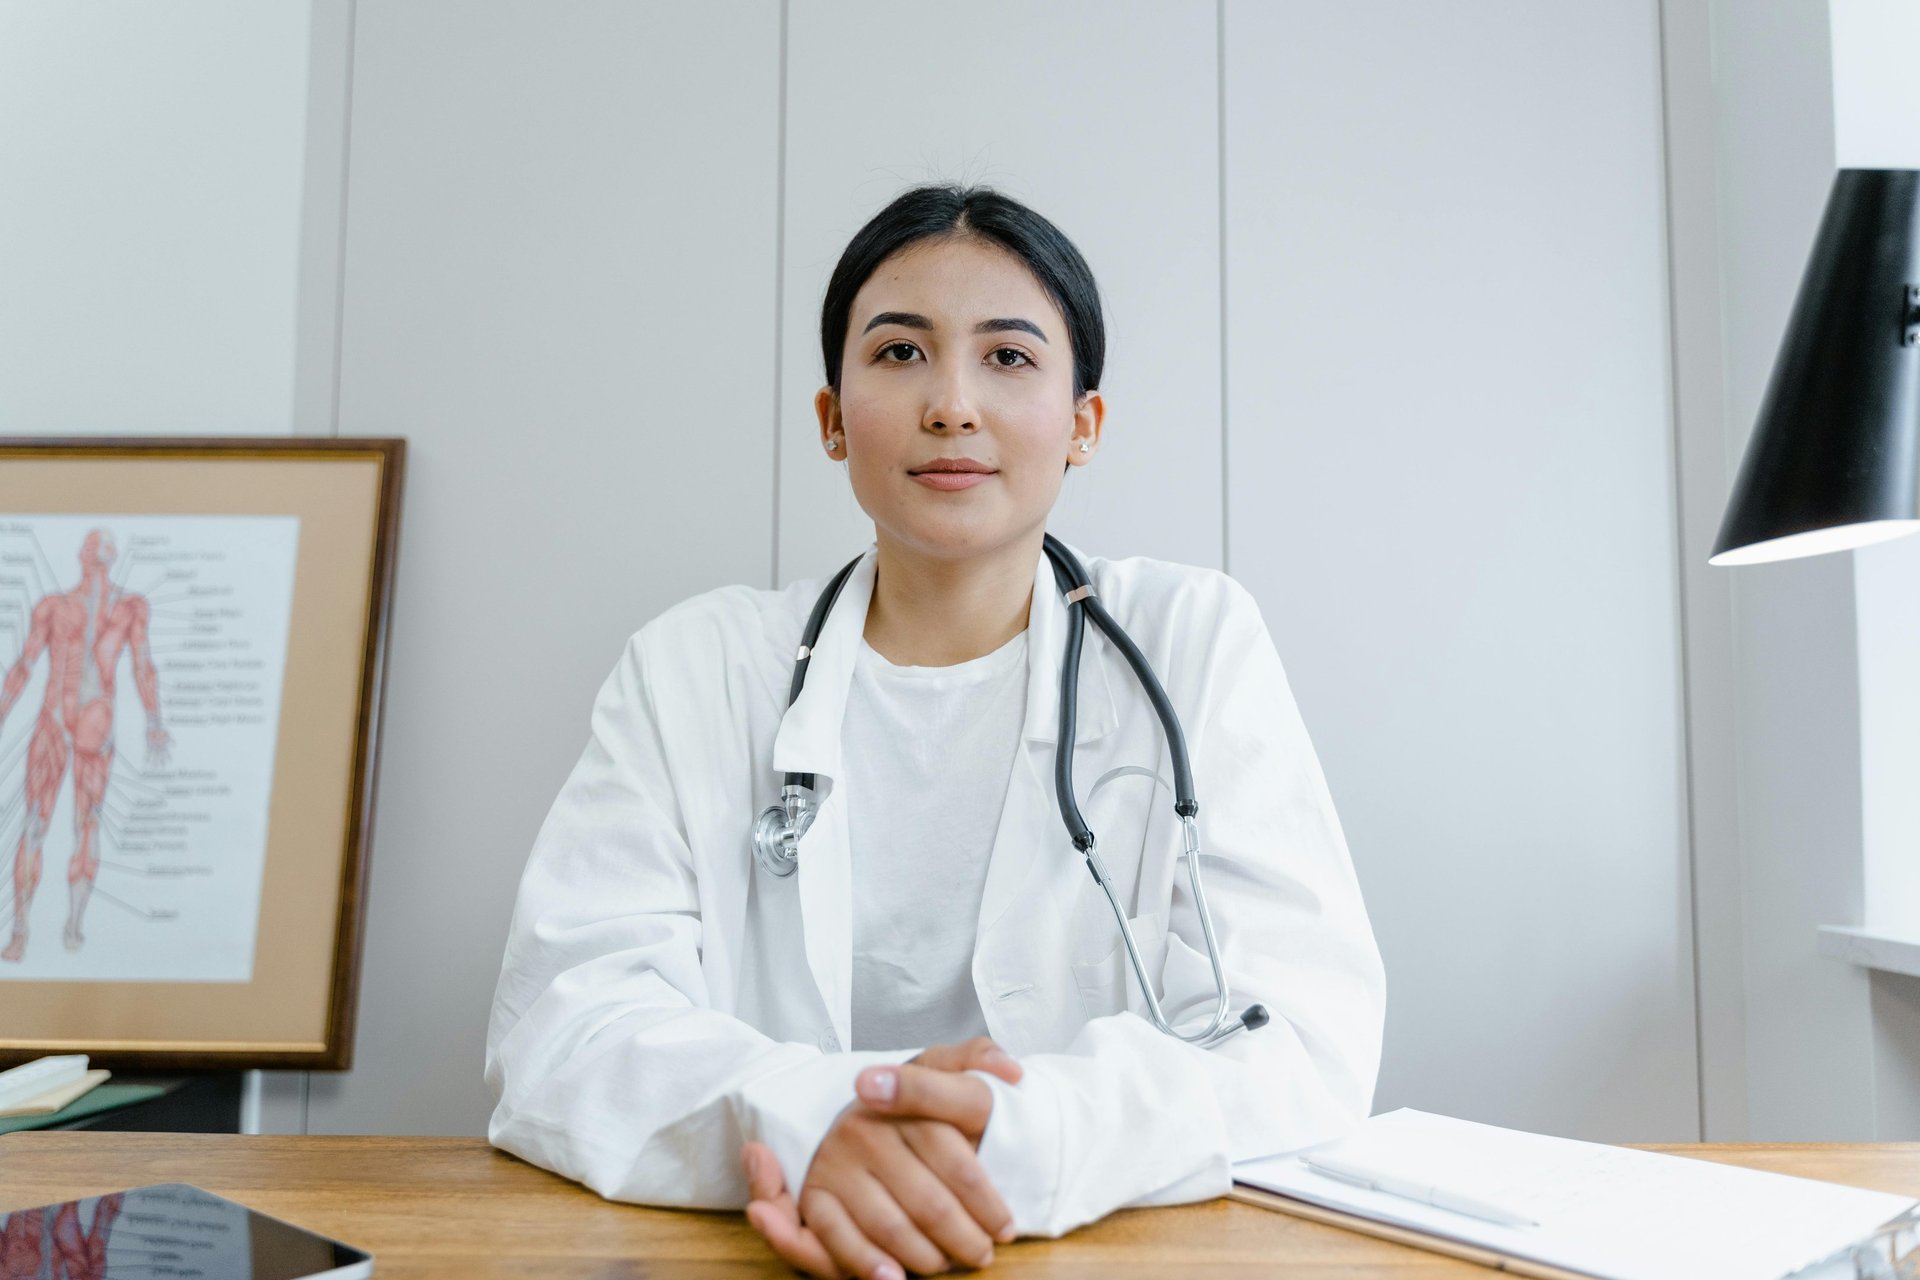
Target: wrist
x,y
792,1110
1020,1149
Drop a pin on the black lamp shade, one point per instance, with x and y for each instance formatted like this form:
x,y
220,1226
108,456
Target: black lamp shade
x,y
1834,460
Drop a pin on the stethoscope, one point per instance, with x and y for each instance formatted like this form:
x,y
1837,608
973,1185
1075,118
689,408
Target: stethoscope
x,y
777,831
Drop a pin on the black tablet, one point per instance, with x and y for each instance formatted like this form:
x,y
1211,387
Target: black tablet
x,y
167,1230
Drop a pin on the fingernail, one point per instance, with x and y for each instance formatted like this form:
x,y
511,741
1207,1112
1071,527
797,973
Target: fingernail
x,y
999,1055
889,1270
879,1086
1005,1234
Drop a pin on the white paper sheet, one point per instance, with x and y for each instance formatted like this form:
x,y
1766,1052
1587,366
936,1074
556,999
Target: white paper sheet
x,y
1604,1210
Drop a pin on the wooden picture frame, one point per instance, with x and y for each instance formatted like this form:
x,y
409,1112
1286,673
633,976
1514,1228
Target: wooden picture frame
x,y
197,890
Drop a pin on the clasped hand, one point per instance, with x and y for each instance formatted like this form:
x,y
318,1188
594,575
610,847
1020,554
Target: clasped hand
x,y
897,1181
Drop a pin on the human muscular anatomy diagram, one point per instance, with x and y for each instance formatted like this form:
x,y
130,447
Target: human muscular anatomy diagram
x,y
23,1242
83,633
75,1253
185,617
84,1253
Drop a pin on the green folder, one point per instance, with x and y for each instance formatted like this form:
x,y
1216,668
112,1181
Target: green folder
x,y
103,1097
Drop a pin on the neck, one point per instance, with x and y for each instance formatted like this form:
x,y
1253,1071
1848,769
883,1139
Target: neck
x,y
932,612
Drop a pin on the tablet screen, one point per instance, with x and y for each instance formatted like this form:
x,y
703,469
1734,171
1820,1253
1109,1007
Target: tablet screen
x,y
170,1230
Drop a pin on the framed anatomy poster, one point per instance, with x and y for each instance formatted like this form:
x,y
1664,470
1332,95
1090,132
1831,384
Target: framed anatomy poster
x,y
192,642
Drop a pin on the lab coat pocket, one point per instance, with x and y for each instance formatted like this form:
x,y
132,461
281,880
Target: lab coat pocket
x,y
1107,985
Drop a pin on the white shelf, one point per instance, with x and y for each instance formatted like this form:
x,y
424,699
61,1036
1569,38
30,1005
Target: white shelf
x,y
1871,949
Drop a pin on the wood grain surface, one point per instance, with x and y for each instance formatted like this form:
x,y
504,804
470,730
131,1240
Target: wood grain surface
x,y
447,1207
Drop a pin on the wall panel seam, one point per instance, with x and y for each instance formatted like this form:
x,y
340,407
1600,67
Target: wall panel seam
x,y
779,286
340,259
1690,827
339,344
1220,121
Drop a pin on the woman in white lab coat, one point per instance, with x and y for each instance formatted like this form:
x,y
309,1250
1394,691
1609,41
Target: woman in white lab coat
x,y
930,1036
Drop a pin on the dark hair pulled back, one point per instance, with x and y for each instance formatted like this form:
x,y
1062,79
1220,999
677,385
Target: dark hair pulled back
x,y
945,210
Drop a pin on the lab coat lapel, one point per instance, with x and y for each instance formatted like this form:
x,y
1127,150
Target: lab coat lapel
x,y
808,741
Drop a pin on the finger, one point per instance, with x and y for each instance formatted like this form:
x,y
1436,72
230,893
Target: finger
x,y
765,1180
952,1159
851,1250
788,1213
910,1090
997,1061
798,1247
875,1198
980,1053
771,1201
928,1203
941,1057
984,1055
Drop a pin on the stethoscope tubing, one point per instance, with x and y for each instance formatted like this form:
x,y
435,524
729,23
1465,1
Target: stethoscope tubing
x,y
809,636
1071,575
777,830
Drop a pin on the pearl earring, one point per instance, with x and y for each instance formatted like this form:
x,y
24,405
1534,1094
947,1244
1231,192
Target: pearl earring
x,y
1085,447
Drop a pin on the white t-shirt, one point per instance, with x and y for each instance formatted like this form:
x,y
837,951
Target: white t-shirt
x,y
928,752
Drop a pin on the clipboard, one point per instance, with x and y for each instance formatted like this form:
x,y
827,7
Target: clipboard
x,y
1401,1235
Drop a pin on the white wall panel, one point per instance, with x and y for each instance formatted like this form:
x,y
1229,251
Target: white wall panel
x,y
560,288
150,203
1887,632
1450,487
1809,1017
1101,117
1876,98
1876,111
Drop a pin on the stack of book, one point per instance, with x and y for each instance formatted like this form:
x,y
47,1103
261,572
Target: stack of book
x,y
46,1085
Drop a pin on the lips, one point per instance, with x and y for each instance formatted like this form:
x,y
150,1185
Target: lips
x,y
951,480
952,466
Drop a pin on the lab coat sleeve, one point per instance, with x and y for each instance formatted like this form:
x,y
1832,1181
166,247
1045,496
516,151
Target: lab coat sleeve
x,y
603,1058
1126,1115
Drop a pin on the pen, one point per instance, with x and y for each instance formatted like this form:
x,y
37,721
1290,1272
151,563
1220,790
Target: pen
x,y
1424,1193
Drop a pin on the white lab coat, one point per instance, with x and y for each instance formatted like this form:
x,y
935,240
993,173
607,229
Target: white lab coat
x,y
662,1001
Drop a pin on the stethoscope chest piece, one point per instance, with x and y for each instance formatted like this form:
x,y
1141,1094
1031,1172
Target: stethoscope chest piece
x,y
777,832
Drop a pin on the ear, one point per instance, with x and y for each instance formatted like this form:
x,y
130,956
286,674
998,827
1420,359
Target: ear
x,y
1087,418
826,407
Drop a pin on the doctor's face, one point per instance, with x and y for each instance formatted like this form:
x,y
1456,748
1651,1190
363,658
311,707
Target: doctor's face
x,y
955,352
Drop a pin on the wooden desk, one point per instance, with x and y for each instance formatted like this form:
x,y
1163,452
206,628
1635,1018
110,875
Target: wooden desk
x,y
456,1207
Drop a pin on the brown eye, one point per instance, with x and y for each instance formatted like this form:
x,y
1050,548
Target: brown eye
x,y
895,346
1012,351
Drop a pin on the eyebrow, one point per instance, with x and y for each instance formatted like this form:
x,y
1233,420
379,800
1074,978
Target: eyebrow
x,y
914,320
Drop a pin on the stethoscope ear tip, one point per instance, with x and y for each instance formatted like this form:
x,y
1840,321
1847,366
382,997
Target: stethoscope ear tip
x,y
1255,1017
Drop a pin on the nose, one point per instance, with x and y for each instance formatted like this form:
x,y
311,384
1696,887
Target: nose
x,y
948,406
